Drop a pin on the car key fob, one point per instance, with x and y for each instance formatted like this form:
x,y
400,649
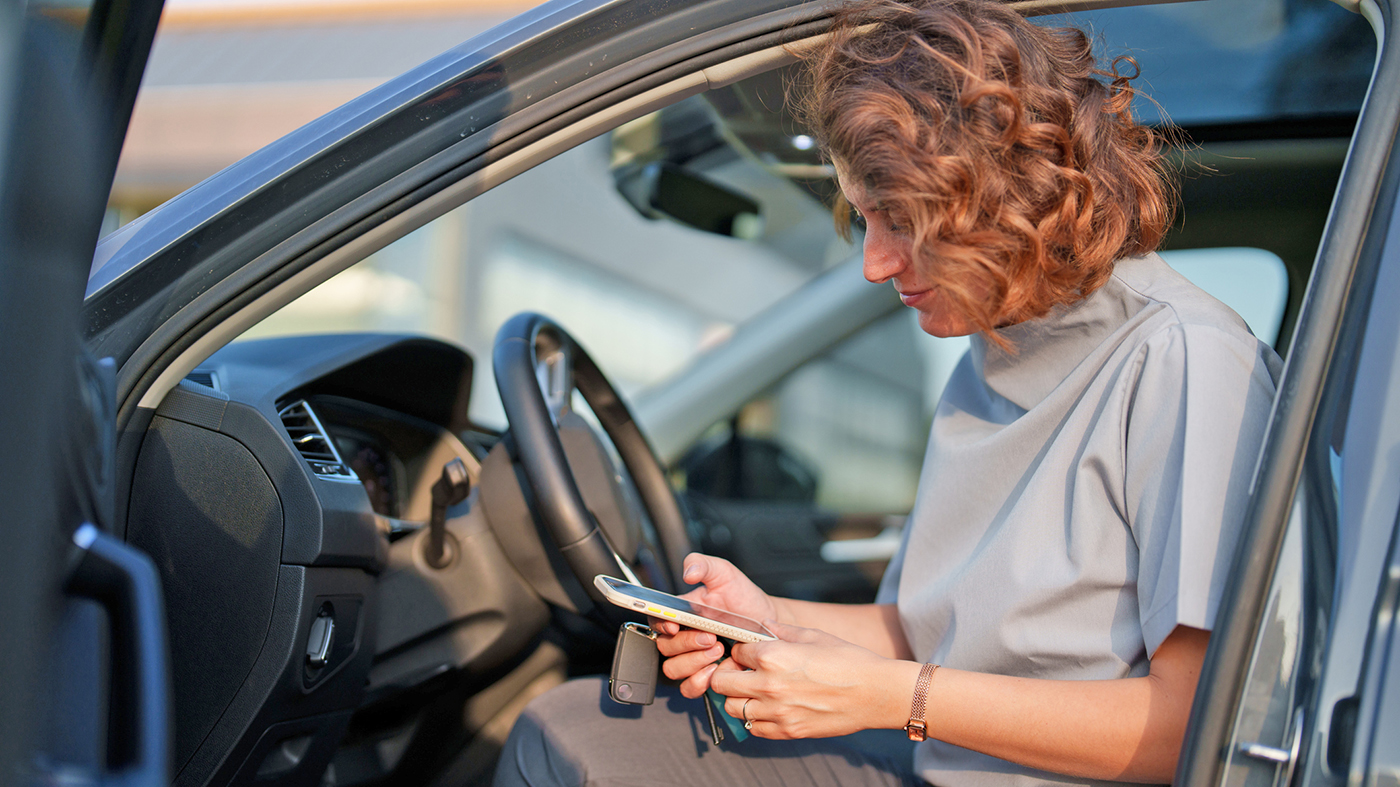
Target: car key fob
x,y
636,663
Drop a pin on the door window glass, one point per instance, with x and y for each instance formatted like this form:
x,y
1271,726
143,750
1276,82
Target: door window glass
x,y
645,267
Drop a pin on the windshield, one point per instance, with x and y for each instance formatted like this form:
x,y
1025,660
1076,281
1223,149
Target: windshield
x,y
651,244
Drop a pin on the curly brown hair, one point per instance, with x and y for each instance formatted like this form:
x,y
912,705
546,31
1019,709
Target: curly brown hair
x,y
1012,158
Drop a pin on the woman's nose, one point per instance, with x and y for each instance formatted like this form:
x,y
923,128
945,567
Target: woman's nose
x,y
883,259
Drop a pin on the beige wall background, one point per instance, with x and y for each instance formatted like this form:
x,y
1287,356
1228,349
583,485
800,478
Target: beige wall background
x,y
226,78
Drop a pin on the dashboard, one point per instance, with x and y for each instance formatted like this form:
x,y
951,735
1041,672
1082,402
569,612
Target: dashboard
x,y
395,457
283,491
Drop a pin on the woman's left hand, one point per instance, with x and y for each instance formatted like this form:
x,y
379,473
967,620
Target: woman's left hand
x,y
810,684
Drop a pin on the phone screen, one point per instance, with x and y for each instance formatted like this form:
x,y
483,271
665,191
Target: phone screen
x,y
648,600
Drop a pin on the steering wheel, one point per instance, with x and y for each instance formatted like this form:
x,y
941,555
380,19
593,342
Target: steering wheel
x,y
537,367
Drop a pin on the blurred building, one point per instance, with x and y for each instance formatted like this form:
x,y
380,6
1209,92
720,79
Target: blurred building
x,y
227,78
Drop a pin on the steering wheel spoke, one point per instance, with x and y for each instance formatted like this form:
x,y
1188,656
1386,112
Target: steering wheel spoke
x,y
554,371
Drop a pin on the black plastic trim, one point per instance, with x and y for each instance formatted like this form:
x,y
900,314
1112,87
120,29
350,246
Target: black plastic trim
x,y
1338,126
116,45
125,582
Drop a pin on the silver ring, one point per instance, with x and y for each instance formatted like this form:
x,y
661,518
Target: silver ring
x,y
744,711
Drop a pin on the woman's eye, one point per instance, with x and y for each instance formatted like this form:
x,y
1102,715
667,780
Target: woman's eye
x,y
858,220
893,223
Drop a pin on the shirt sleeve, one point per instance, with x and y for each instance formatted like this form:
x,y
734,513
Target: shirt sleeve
x,y
1193,423
889,583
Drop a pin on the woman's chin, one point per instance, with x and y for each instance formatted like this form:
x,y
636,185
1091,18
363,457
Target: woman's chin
x,y
944,326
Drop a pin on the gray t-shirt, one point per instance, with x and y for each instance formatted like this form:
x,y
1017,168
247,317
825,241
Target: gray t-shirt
x,y
1082,495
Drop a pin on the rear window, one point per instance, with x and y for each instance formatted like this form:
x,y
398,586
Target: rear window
x,y
1243,60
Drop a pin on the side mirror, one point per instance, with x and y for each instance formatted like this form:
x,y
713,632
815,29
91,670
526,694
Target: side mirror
x,y
661,189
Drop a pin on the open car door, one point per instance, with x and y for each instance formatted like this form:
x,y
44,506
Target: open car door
x,y
84,686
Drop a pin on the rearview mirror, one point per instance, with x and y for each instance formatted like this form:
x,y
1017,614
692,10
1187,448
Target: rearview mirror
x,y
661,189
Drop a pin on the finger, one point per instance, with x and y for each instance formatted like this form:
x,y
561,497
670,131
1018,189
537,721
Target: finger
x,y
788,633
750,655
731,680
739,706
693,568
771,730
705,570
685,641
698,683
687,664
666,627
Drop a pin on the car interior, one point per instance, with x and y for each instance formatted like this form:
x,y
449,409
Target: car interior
x,y
359,487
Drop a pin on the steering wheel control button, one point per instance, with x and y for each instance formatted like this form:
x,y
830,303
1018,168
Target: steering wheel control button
x,y
318,643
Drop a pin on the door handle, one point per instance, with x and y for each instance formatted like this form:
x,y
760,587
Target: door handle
x,y
124,581
1285,757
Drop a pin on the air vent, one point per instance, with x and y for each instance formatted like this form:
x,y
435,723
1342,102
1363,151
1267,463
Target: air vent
x,y
311,441
204,377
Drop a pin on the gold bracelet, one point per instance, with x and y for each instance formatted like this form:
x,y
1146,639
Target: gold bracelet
x,y
917,728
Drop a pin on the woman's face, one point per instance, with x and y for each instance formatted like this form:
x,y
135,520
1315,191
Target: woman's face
x,y
889,257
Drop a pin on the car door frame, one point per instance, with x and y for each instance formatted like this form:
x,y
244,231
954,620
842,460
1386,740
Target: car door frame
x,y
1333,314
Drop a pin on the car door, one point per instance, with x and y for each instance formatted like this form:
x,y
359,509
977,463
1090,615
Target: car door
x,y
1294,689
71,594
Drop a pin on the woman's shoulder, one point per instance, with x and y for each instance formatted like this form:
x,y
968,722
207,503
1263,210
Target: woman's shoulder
x,y
1180,309
1180,331
1185,305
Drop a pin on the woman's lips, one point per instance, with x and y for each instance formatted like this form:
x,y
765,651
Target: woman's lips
x,y
913,298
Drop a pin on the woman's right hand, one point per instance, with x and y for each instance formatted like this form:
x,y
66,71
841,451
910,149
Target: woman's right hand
x,y
690,654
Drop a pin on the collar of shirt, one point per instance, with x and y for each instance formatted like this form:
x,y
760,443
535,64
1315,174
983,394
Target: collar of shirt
x,y
1046,351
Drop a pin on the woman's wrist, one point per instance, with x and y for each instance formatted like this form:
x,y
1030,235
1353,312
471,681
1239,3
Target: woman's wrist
x,y
784,613
893,694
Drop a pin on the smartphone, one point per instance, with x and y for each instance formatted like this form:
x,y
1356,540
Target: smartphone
x,y
665,606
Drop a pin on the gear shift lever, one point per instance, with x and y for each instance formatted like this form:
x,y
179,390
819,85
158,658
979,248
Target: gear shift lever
x,y
449,490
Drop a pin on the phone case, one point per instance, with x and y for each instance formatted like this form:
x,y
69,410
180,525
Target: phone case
x,y
711,625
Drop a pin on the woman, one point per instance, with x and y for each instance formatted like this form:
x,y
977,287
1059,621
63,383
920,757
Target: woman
x,y
1087,468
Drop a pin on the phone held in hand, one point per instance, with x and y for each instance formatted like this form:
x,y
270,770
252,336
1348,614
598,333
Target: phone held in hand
x,y
665,606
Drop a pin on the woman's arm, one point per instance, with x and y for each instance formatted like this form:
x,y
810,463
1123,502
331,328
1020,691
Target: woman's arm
x,y
814,685
876,626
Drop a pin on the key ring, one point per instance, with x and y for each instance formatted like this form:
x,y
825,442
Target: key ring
x,y
744,711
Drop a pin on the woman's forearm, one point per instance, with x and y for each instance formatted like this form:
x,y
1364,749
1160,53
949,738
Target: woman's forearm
x,y
875,626
1127,730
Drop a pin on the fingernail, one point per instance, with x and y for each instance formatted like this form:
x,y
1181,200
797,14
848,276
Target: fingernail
x,y
706,639
691,572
